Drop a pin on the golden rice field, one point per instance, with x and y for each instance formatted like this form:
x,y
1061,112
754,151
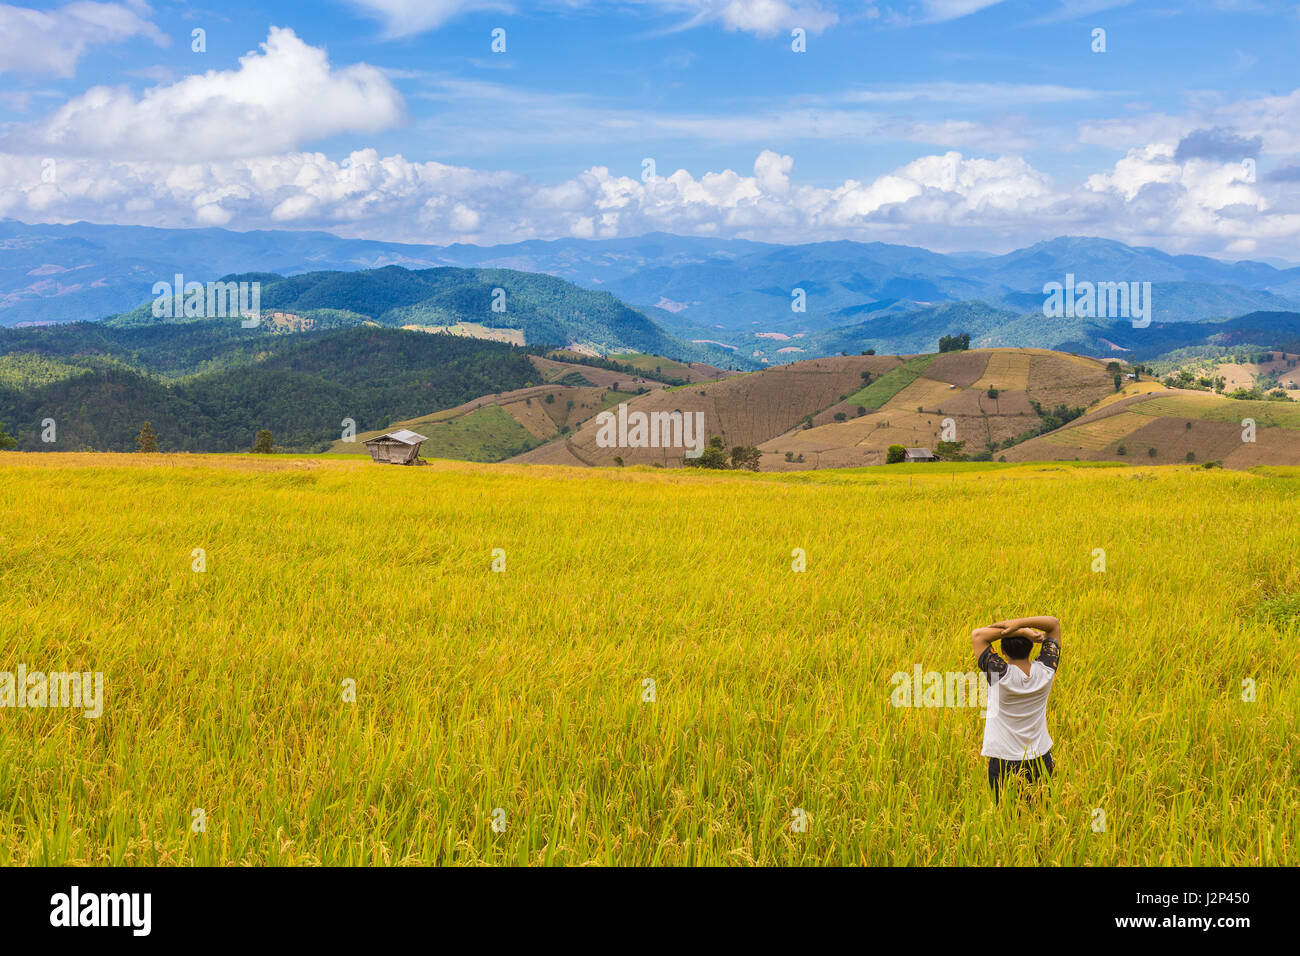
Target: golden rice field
x,y
522,690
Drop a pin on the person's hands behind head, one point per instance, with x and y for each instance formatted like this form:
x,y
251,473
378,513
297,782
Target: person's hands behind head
x,y
1033,634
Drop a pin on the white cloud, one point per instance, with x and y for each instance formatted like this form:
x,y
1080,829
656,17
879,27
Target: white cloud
x,y
1140,168
768,17
278,99
939,11
1275,120
1074,9
772,172
51,42
1196,199
943,200
393,198
990,95
402,18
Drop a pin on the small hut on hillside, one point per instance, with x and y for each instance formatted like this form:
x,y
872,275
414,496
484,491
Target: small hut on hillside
x,y
919,454
396,448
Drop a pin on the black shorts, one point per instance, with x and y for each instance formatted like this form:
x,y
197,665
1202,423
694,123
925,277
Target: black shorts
x,y
1028,770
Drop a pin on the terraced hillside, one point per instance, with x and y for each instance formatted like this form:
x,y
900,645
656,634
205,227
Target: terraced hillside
x,y
985,398
744,409
1174,425
847,411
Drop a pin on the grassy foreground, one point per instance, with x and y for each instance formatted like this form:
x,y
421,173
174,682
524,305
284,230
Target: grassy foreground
x,y
523,690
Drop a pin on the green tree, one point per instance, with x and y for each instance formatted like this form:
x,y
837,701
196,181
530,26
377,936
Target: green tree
x,y
955,343
895,454
745,458
147,440
951,451
713,456
263,444
7,441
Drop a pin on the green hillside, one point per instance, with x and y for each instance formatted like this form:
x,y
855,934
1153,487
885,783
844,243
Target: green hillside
x,y
547,310
485,434
301,391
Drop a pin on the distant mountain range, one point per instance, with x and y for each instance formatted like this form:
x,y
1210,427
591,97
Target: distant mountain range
x,y
692,298
520,307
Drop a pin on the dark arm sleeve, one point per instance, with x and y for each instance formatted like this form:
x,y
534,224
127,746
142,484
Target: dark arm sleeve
x,y
1050,653
992,665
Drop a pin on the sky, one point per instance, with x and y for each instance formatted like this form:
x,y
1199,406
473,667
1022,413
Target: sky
x,y
958,125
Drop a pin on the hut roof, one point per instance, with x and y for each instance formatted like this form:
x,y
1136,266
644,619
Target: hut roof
x,y
405,436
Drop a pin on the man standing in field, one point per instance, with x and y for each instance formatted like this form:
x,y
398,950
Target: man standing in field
x,y
1015,731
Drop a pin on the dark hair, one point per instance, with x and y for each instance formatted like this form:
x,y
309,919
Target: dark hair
x,y
1017,648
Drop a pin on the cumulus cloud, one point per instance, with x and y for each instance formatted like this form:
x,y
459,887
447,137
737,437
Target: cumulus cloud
x,y
944,200
1193,201
1206,184
51,42
277,99
394,198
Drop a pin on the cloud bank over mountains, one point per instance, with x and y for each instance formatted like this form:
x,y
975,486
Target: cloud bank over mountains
x,y
239,147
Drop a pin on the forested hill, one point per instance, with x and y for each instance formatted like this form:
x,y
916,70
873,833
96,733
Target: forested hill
x,y
546,310
298,387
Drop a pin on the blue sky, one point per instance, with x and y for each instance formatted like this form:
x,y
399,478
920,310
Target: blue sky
x,y
955,124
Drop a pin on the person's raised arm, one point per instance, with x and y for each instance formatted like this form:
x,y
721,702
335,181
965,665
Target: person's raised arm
x,y
982,638
1050,627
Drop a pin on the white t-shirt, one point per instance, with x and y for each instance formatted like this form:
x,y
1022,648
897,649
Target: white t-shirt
x,y
1016,725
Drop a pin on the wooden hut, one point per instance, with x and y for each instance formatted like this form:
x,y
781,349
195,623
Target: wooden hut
x,y
920,454
396,448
